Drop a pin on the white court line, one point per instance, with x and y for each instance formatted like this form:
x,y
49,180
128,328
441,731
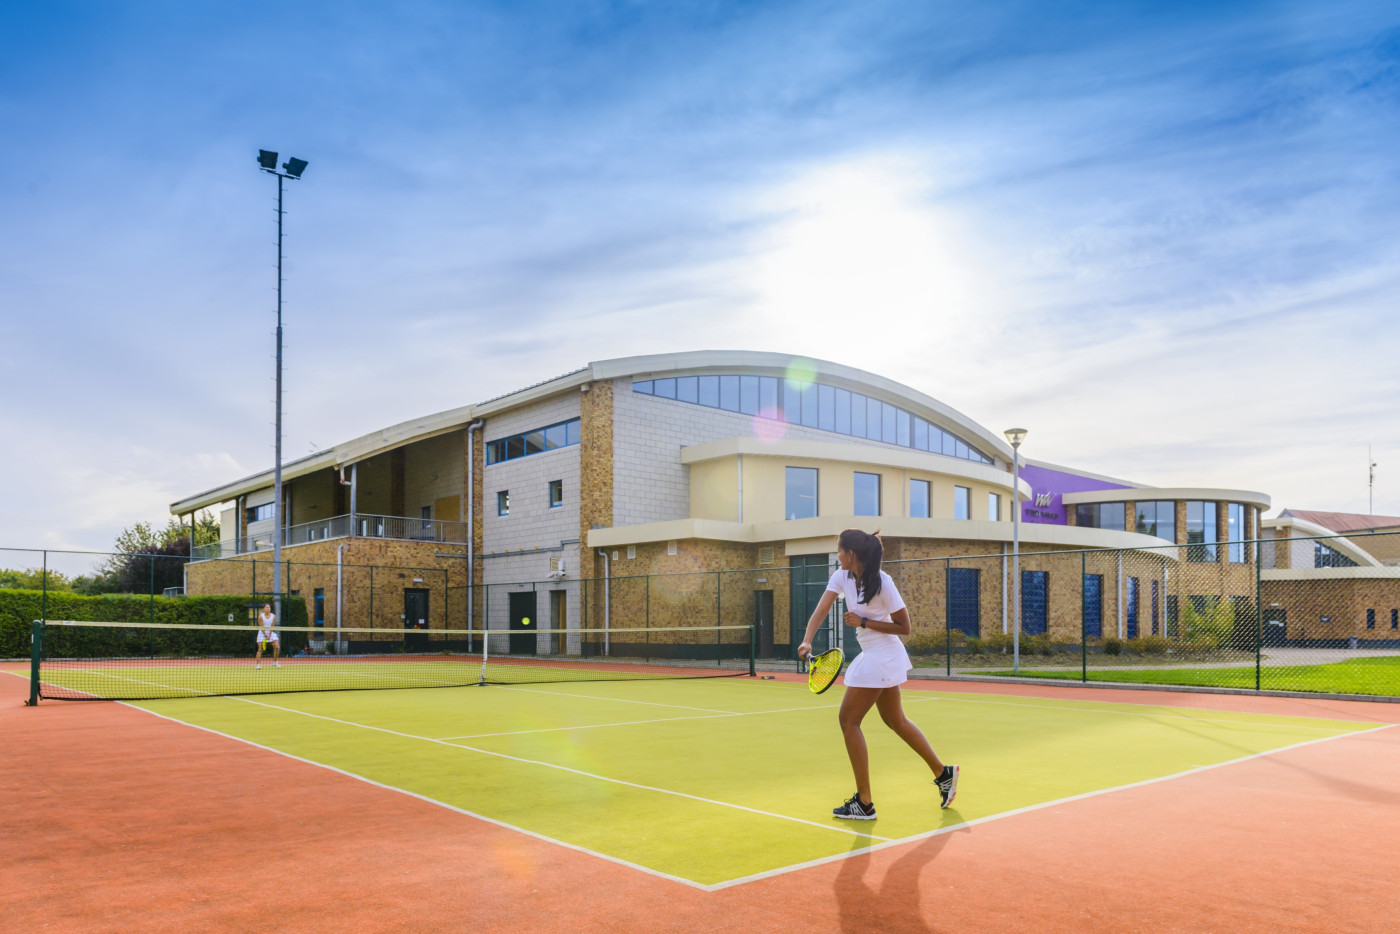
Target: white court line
x,y
713,716
562,768
952,828
620,700
424,798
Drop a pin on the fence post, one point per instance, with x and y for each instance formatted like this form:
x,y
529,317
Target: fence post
x,y
1258,606
44,588
36,652
719,616
370,622
753,648
1083,611
152,601
948,616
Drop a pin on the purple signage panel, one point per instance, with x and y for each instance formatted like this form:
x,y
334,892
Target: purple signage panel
x,y
1048,488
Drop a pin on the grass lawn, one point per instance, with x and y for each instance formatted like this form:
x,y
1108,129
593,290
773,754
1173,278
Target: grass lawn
x,y
1377,676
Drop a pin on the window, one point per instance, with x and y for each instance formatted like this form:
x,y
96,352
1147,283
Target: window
x,y
425,518
503,503
814,405
319,602
1157,518
556,493
867,494
801,494
1035,602
1324,557
1234,518
962,502
994,507
1132,614
536,441
1370,619
1395,619
1100,516
1201,532
918,499
259,513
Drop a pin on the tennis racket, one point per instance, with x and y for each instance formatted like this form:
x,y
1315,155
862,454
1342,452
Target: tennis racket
x,y
822,670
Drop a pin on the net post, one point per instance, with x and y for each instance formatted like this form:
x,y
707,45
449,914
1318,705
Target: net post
x,y
485,646
36,652
753,648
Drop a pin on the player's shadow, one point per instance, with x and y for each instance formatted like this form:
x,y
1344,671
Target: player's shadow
x,y
892,907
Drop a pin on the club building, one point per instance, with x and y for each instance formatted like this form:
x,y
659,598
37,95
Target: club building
x,y
710,487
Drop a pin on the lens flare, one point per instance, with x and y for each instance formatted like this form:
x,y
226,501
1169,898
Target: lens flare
x,y
801,373
769,427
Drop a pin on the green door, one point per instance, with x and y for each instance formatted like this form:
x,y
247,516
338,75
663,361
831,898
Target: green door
x,y
808,574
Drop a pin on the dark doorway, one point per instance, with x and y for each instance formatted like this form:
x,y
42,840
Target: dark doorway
x,y
763,621
1275,627
523,624
415,619
964,600
1093,606
559,620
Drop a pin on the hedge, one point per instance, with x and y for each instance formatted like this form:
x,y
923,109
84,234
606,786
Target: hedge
x,y
19,609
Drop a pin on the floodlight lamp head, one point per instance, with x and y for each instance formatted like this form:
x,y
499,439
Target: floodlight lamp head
x,y
1014,436
295,167
267,160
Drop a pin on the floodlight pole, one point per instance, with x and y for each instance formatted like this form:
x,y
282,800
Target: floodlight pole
x,y
291,169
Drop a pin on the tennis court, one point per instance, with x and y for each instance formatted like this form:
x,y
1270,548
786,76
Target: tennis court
x,y
694,797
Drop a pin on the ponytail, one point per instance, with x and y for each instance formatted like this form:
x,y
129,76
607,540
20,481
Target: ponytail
x,y
868,550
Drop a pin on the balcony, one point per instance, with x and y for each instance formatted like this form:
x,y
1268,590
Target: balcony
x,y
401,528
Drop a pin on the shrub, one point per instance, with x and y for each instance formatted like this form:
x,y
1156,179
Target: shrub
x,y
19,608
997,642
1036,645
1112,646
975,645
926,643
1152,645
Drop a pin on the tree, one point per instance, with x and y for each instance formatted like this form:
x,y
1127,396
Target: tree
x,y
151,560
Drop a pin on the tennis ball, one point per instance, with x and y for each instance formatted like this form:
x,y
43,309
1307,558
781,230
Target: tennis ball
x,y
525,621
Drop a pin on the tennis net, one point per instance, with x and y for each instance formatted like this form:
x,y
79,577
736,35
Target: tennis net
x,y
81,660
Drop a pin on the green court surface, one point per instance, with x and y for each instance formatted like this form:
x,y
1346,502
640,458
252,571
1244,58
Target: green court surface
x,y
713,782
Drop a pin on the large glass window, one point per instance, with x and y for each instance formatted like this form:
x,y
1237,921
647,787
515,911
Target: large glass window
x,y
1157,517
503,503
918,499
994,507
962,502
814,405
867,494
801,495
1234,523
536,441
1100,515
1201,531
556,493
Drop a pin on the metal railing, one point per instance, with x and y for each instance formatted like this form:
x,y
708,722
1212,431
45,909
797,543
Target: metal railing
x,y
357,526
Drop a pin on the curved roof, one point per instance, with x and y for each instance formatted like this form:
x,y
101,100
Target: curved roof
x,y
772,364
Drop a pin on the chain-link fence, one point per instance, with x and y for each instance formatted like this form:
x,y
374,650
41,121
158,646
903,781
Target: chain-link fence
x,y
1317,614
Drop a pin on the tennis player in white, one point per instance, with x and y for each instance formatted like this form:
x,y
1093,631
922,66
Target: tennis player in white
x,y
266,620
878,614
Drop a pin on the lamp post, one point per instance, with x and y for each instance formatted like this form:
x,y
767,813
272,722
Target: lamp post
x,y
1015,436
292,169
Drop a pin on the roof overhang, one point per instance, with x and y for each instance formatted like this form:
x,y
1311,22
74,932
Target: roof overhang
x,y
1208,494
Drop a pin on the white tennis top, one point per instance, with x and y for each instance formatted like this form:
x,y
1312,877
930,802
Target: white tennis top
x,y
885,603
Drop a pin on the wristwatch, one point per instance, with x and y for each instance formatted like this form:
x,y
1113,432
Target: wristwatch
x,y
862,623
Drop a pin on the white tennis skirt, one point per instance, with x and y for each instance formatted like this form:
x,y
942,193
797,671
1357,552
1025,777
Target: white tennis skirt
x,y
881,667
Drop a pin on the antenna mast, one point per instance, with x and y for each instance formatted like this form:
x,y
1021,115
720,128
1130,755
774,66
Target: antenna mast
x,y
1371,483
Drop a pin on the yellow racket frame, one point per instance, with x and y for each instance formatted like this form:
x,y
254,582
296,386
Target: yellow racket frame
x,y
822,670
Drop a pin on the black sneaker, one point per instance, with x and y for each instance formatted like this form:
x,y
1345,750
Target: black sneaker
x,y
948,784
854,810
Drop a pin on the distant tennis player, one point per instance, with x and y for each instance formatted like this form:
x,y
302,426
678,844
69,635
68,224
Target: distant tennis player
x,y
879,616
266,633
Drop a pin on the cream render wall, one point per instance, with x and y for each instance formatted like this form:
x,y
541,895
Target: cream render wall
x,y
714,489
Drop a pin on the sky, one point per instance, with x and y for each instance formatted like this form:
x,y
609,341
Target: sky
x,y
1162,237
